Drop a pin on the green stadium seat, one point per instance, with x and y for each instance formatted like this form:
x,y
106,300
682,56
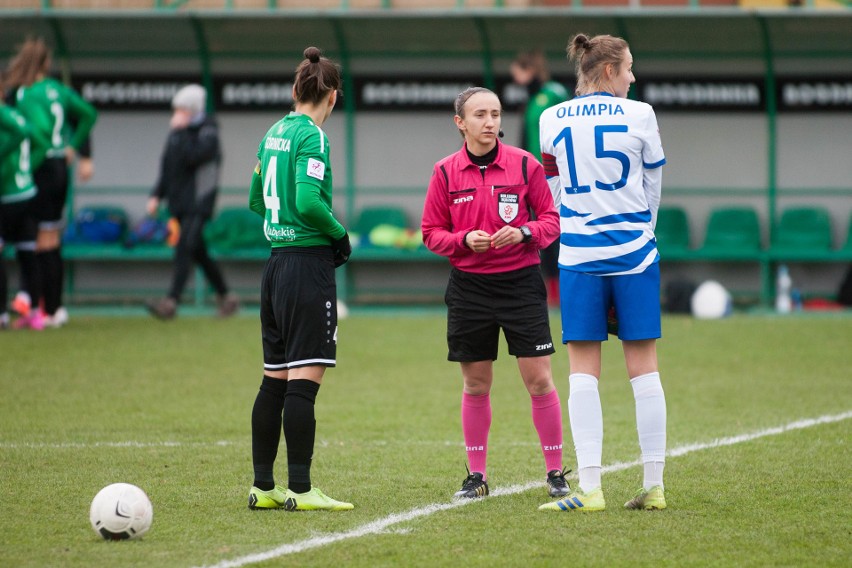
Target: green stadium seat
x,y
803,229
672,231
236,228
732,233
370,217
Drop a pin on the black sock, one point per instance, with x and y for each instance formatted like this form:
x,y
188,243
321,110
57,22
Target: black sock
x,y
50,269
299,431
266,430
29,274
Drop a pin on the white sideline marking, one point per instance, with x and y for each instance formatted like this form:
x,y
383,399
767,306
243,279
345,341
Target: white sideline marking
x,y
225,443
381,525
129,444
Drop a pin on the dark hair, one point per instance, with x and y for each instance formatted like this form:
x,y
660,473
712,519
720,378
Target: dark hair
x,y
462,98
316,76
31,60
535,61
592,55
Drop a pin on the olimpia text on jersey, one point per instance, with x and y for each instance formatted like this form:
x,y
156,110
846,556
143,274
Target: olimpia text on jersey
x,y
602,156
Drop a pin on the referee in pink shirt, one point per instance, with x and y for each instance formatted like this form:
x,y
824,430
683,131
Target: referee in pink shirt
x,y
478,214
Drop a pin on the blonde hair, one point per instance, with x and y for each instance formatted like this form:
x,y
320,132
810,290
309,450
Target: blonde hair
x,y
591,56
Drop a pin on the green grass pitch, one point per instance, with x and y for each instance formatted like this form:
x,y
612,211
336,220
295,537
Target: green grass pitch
x,y
167,407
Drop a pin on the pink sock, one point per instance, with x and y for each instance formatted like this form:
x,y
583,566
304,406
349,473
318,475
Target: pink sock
x,y
476,422
547,418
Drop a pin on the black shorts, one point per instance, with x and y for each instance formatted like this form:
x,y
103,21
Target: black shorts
x,y
17,222
51,179
298,309
479,305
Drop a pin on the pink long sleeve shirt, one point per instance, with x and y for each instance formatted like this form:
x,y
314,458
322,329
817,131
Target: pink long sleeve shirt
x,y
463,197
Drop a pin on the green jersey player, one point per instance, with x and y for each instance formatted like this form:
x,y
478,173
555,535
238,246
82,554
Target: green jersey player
x,y
17,213
291,189
530,70
294,193
50,107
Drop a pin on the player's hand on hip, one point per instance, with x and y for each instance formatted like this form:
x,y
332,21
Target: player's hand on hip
x,y
507,235
478,241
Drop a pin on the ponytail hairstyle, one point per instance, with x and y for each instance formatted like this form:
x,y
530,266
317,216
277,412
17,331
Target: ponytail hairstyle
x,y
591,56
316,76
32,60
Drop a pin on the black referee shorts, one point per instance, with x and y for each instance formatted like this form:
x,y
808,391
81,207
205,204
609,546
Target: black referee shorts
x,y
480,305
298,308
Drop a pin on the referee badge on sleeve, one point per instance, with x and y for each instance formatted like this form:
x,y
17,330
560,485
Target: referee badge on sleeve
x,y
507,206
316,169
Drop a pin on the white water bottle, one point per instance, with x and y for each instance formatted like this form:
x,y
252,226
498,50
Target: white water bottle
x,y
783,288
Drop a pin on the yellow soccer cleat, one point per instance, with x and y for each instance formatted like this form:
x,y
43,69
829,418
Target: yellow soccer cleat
x,y
649,500
314,500
578,501
272,499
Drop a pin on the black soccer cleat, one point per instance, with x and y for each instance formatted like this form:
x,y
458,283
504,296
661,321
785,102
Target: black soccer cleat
x,y
557,485
474,486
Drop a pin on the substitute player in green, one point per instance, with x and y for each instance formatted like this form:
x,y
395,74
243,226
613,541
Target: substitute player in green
x,y
20,149
529,69
50,107
291,188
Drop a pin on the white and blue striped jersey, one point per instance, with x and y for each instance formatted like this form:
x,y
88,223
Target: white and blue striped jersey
x,y
602,156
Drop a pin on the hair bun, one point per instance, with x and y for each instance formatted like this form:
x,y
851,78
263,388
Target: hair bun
x,y
313,54
582,41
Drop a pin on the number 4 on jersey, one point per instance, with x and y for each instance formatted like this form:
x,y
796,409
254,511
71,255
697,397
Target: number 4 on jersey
x,y
270,189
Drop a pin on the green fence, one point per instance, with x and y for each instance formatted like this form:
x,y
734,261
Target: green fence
x,y
717,42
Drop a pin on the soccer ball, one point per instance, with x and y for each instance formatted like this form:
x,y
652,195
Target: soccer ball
x,y
711,301
121,511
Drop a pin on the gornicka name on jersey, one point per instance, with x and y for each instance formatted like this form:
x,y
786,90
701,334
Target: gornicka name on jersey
x,y
280,144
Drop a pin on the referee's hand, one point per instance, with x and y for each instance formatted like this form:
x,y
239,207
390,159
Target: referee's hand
x,y
478,241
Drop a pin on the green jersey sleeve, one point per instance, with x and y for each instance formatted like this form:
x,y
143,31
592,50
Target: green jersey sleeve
x,y
313,165
256,194
84,112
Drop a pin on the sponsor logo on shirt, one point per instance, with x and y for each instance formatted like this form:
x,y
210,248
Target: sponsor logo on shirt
x,y
286,233
316,169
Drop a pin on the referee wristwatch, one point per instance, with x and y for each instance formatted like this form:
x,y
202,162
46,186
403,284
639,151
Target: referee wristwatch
x,y
526,233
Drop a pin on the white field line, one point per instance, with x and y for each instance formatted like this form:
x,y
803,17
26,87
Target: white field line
x,y
128,444
381,525
225,443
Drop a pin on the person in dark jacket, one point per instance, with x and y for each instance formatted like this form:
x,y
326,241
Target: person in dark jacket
x,y
189,181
